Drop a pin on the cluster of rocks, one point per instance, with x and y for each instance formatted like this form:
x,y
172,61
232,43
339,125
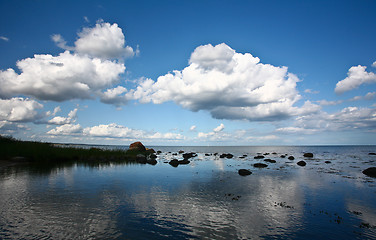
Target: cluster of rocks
x,y
144,155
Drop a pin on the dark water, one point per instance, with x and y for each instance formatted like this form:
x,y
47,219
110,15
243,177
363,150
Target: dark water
x,y
206,199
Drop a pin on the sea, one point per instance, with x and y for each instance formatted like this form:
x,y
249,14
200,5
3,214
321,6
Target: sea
x,y
328,198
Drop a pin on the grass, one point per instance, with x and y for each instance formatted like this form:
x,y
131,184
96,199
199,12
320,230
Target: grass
x,y
41,152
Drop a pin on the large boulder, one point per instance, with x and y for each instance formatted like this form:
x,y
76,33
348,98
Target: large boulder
x,y
370,172
137,146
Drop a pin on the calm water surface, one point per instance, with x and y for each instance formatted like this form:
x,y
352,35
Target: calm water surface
x,y
206,199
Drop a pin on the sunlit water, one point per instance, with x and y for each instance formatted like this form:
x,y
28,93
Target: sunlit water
x,y
206,199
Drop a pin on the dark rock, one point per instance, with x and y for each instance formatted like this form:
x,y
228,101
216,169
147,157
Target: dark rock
x,y
137,146
189,155
181,151
141,158
150,150
185,161
229,155
174,162
270,161
215,154
283,156
327,162
244,172
151,161
370,172
372,153
291,158
174,154
308,155
266,154
301,163
274,153
259,157
159,152
207,154
260,165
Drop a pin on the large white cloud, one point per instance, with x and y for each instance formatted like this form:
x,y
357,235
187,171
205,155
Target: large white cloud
x,y
59,78
356,76
19,110
105,41
113,131
229,85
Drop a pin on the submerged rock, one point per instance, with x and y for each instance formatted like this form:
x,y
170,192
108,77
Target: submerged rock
x,y
301,163
259,157
270,160
372,153
309,155
226,155
260,165
244,172
327,162
291,158
283,156
370,172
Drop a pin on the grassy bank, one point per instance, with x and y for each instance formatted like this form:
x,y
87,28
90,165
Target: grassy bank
x,y
15,150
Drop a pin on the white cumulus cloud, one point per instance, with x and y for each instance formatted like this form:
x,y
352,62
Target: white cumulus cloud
x,y
228,84
105,40
59,78
58,120
19,110
356,76
115,96
66,129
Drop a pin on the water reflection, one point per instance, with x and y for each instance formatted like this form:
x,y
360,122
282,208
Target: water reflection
x,y
206,201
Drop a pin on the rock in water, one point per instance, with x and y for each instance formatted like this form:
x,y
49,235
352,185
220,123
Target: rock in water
x,y
370,172
301,163
309,155
260,165
137,146
244,172
185,161
291,158
270,160
174,162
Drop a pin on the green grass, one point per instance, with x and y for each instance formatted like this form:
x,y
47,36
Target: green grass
x,y
46,152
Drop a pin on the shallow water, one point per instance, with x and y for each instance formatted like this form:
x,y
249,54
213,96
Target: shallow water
x,y
206,199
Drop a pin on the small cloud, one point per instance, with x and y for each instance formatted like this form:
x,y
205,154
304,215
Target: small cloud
x,y
356,76
329,103
374,64
311,91
86,19
4,38
370,95
219,128
193,128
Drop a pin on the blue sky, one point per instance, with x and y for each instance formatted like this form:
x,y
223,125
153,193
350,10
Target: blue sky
x,y
189,72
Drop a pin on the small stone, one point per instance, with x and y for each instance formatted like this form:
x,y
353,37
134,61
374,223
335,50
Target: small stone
x,y
244,172
301,163
260,165
309,155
